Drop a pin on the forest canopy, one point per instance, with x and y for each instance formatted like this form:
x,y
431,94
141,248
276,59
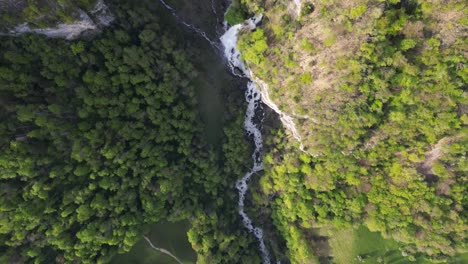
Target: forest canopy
x,y
101,138
383,124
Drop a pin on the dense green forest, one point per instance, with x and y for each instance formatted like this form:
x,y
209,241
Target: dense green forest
x,y
103,136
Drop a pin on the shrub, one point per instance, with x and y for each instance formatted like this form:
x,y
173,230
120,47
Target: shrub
x,y
329,41
234,15
307,46
307,9
357,11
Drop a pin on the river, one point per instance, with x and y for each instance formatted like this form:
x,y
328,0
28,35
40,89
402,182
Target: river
x,y
254,113
214,78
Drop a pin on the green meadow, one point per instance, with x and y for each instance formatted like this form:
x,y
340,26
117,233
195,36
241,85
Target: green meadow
x,y
363,246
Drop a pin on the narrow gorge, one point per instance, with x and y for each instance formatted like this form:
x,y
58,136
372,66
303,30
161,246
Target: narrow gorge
x,y
254,112
243,131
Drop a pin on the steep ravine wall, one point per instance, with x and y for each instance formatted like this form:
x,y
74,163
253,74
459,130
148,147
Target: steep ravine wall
x,y
99,16
286,119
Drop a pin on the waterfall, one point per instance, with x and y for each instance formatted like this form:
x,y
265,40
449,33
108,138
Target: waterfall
x,y
254,107
229,40
254,101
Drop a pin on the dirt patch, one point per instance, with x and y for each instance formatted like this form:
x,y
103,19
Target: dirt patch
x,y
448,21
434,154
444,187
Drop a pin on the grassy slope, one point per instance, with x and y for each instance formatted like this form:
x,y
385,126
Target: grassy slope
x,y
347,245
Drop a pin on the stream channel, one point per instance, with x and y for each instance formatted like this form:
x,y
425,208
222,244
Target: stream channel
x,y
221,70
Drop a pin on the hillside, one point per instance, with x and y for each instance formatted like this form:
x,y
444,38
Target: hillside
x,y
296,131
376,90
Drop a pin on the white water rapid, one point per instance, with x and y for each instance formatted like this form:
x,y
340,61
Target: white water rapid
x,y
252,124
254,96
229,40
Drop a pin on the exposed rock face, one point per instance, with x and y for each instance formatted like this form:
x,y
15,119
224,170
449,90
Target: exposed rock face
x,y
298,4
68,31
286,119
102,13
99,16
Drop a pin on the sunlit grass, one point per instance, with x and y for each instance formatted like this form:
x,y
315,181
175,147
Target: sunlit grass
x,y
362,246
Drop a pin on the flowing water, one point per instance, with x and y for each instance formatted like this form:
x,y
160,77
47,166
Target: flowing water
x,y
286,119
254,113
190,26
252,123
253,95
